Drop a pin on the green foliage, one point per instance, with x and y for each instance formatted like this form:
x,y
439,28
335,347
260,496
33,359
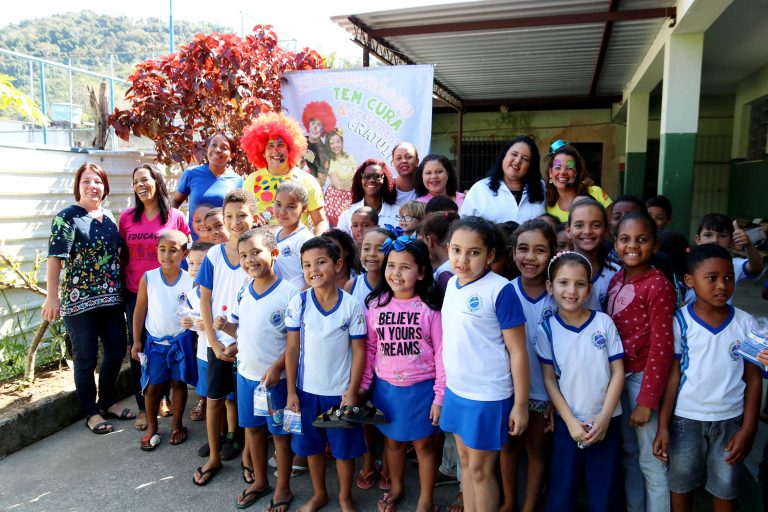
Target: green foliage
x,y
15,103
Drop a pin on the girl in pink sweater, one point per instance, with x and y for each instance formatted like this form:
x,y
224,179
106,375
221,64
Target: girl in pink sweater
x,y
404,351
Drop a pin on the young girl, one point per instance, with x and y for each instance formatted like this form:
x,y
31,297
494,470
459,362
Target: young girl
x,y
587,228
200,232
485,360
580,353
434,232
410,215
533,245
371,257
338,195
641,302
290,202
348,249
405,349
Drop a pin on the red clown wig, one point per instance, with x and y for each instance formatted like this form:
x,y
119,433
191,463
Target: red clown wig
x,y
321,111
272,126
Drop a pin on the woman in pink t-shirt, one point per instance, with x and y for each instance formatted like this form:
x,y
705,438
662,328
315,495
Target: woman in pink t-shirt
x,y
435,177
404,350
139,228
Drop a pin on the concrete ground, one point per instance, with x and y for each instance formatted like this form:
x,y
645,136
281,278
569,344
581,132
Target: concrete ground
x,y
74,470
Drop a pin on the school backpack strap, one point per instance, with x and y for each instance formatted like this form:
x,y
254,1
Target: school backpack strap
x,y
684,358
548,331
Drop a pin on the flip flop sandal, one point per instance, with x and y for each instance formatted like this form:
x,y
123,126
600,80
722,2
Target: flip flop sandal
x,y
125,414
149,442
178,436
247,472
332,418
251,497
286,504
366,414
101,428
365,480
385,484
198,412
211,473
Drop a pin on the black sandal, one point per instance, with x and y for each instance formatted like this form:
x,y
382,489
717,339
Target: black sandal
x,y
332,418
365,414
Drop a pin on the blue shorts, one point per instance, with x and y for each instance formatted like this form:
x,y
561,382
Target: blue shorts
x,y
480,425
245,416
698,445
202,380
159,369
406,408
346,443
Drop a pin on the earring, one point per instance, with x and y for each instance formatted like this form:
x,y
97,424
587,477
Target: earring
x,y
550,180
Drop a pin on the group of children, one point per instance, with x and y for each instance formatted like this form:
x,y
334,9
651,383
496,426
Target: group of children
x,y
590,344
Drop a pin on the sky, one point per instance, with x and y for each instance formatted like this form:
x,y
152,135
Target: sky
x,y
312,28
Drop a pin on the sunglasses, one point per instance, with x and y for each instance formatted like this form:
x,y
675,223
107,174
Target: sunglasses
x,y
406,218
373,177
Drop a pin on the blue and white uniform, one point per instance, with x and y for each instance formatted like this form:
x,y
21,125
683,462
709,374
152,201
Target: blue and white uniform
x,y
288,264
535,311
325,364
478,396
193,310
739,273
598,296
361,288
261,340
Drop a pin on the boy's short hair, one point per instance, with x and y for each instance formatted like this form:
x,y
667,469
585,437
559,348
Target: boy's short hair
x,y
372,214
413,208
716,222
320,242
662,202
200,246
214,211
174,235
441,204
265,236
702,252
629,198
239,195
294,189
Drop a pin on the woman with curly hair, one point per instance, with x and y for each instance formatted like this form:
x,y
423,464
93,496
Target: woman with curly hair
x,y
319,120
372,186
274,145
338,195
568,179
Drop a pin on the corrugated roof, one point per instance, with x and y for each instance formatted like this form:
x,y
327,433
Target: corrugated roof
x,y
539,61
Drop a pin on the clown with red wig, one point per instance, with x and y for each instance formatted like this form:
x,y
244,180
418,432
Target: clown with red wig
x,y
319,120
274,144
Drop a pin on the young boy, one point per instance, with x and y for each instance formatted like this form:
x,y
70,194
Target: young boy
x,y
363,219
324,362
708,416
194,321
291,200
168,351
261,361
220,278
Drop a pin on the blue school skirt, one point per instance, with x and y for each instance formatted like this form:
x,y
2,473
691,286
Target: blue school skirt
x,y
406,408
481,425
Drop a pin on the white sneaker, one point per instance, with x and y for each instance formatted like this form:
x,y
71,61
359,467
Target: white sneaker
x,y
272,462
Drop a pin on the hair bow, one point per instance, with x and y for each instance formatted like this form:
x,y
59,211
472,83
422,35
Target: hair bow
x,y
559,143
398,244
397,231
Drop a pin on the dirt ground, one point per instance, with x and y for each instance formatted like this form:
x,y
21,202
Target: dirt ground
x,y
48,381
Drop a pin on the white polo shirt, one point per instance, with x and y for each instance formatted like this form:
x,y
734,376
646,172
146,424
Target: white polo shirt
x,y
598,296
288,264
500,207
261,332
711,385
325,355
387,215
582,360
474,354
193,303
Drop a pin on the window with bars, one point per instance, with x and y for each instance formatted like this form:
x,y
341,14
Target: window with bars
x,y
758,129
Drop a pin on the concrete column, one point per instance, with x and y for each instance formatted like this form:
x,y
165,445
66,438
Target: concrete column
x,y
637,142
679,123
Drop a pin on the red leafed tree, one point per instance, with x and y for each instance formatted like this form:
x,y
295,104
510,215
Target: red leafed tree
x,y
216,82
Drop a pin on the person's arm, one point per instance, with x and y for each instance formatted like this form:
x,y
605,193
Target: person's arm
x,y
139,315
371,344
291,369
741,443
272,376
575,427
358,362
514,339
754,261
319,221
51,307
613,394
667,408
178,199
222,324
206,311
437,349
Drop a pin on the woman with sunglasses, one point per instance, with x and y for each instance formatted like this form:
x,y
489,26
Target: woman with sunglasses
x,y
372,186
567,179
513,190
139,228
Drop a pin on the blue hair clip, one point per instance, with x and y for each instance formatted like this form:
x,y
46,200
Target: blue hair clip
x,y
559,143
395,230
398,244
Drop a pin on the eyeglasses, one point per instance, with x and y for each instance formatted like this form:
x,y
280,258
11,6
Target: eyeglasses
x,y
406,218
373,177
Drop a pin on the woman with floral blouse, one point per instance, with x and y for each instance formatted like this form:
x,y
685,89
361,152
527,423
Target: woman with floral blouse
x,y
86,244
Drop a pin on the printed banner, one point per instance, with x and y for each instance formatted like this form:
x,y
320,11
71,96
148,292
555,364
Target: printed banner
x,y
355,114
